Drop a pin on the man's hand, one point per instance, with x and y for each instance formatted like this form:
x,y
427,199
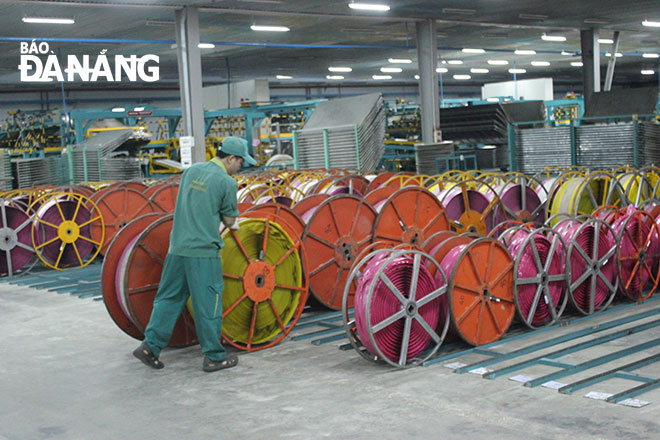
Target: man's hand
x,y
229,221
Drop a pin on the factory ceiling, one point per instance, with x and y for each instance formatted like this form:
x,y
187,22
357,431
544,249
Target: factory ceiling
x,y
328,33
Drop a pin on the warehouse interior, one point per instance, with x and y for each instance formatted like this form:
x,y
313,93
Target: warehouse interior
x,y
452,228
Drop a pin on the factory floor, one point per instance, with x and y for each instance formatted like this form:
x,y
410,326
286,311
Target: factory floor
x,y
66,372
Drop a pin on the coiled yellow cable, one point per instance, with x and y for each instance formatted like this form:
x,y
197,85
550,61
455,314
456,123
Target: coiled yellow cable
x,y
241,291
237,324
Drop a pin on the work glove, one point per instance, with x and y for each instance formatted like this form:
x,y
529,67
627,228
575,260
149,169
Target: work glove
x,y
235,226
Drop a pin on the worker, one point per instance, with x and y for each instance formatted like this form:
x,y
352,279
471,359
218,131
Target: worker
x,y
207,196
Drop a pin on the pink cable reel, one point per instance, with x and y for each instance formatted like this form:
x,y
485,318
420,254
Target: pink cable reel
x,y
540,275
334,185
521,201
470,210
17,254
397,307
638,254
590,263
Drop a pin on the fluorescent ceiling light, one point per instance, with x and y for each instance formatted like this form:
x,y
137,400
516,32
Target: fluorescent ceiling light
x,y
46,20
567,53
488,147
525,52
476,70
498,62
275,2
381,76
553,37
648,72
442,70
493,99
138,109
334,77
157,22
618,54
468,50
340,69
605,41
455,62
596,21
577,64
258,28
460,11
540,63
462,77
651,55
399,61
283,77
206,45
118,110
369,7
517,71
651,23
416,76
532,16
391,69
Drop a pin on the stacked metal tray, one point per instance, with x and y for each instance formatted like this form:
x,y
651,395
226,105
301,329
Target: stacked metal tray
x,y
92,159
39,171
427,154
474,124
648,136
355,132
605,146
6,178
538,148
596,146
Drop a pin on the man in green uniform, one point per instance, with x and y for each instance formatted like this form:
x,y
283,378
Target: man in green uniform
x,y
207,196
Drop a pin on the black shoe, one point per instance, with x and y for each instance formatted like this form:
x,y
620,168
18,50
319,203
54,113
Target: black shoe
x,y
228,362
144,353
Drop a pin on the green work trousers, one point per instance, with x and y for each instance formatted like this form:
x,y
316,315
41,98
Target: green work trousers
x,y
201,279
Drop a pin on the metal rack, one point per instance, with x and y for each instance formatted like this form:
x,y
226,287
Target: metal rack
x,y
599,142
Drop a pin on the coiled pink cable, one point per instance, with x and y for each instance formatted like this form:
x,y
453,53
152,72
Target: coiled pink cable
x,y
634,237
527,269
384,304
447,264
585,239
511,197
334,189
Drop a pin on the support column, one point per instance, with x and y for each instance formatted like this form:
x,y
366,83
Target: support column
x,y
590,63
609,76
190,79
427,56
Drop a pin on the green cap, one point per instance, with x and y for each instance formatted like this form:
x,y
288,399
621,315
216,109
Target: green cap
x,y
237,147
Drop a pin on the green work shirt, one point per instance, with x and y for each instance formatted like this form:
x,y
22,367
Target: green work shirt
x,y
206,193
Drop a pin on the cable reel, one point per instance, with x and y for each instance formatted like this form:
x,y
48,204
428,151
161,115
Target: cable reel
x,y
638,254
393,323
63,230
540,275
590,263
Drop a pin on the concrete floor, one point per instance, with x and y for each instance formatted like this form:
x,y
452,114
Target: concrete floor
x,y
66,372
